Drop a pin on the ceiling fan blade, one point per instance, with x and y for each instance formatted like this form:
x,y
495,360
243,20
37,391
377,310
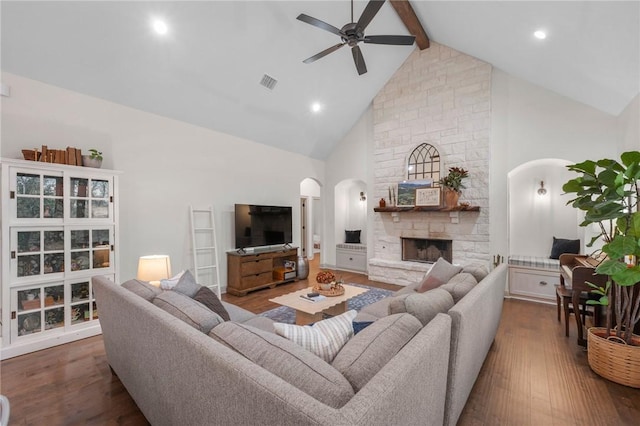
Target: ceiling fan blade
x,y
320,24
390,39
324,53
359,60
369,12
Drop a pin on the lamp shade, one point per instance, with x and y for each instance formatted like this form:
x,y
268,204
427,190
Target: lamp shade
x,y
154,268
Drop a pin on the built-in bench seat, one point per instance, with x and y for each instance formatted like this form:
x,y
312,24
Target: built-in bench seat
x,y
533,277
351,257
535,262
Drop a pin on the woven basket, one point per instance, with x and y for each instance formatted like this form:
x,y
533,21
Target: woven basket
x,y
617,362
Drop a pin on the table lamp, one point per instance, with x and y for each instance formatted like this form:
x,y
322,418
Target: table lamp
x,y
154,268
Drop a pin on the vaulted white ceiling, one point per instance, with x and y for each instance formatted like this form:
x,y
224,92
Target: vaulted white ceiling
x,y
206,70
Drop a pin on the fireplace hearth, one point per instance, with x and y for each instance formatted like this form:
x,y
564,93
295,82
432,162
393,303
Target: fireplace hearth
x,y
426,250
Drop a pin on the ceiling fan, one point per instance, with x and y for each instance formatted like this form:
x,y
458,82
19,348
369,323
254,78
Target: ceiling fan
x,y
353,33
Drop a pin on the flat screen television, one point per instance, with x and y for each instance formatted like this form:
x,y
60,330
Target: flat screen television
x,y
262,225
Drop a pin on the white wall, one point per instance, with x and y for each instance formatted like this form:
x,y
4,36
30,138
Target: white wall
x,y
350,160
531,123
167,165
629,126
535,219
350,212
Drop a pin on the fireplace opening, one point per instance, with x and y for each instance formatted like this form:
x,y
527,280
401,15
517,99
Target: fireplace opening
x,y
426,250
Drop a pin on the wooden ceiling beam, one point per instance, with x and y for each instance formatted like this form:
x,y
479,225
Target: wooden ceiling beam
x,y
411,21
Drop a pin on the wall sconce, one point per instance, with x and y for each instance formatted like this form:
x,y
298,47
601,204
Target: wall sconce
x,y
542,190
362,196
154,268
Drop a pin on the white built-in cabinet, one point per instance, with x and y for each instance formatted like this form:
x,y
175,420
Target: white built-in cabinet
x,y
59,228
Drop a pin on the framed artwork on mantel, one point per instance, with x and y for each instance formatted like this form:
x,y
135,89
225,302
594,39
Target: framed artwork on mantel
x,y
428,197
407,191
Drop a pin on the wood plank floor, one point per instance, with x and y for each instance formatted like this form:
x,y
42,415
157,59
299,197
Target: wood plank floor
x,y
533,375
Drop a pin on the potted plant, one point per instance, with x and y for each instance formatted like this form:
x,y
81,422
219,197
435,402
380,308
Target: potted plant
x,y
452,184
92,160
607,191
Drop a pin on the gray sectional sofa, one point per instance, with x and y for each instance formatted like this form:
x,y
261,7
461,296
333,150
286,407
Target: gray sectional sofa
x,y
475,319
240,373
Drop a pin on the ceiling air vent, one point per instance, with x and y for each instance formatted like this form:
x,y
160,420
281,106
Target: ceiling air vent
x,y
268,82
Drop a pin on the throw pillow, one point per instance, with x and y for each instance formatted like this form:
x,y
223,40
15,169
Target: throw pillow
x,y
324,338
561,246
460,285
169,283
352,237
365,354
287,360
478,271
441,272
209,299
187,285
423,306
188,310
358,326
142,289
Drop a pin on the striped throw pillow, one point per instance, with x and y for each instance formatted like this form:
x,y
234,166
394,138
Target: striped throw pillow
x,y
324,338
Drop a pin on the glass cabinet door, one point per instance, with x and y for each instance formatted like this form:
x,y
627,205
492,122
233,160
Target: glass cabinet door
x,y
37,252
37,195
83,305
91,248
38,309
90,198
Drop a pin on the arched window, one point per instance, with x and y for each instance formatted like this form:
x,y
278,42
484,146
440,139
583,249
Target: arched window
x,y
424,163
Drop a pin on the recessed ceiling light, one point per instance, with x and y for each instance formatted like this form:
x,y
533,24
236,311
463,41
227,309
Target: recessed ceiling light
x,y
540,35
316,107
160,26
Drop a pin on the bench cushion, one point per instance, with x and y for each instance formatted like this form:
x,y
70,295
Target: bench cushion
x,y
534,262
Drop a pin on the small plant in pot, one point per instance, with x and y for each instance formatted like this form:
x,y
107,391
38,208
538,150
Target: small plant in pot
x,y
607,191
92,160
452,184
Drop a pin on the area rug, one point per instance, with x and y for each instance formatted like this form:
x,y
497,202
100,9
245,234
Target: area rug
x,y
288,315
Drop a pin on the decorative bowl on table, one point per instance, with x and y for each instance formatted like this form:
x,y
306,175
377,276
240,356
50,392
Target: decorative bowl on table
x,y
336,289
325,286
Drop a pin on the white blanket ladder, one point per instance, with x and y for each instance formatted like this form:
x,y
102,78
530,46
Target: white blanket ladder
x,y
205,252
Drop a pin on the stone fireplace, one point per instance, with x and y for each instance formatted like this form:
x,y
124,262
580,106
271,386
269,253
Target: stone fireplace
x,y
426,250
441,97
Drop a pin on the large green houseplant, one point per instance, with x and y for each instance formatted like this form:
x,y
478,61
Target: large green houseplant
x,y
607,191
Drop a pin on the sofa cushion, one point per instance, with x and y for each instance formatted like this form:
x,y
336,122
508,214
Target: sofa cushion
x,y
423,306
142,289
263,323
324,338
478,271
236,313
288,361
370,350
209,299
377,309
188,310
187,285
441,272
460,285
